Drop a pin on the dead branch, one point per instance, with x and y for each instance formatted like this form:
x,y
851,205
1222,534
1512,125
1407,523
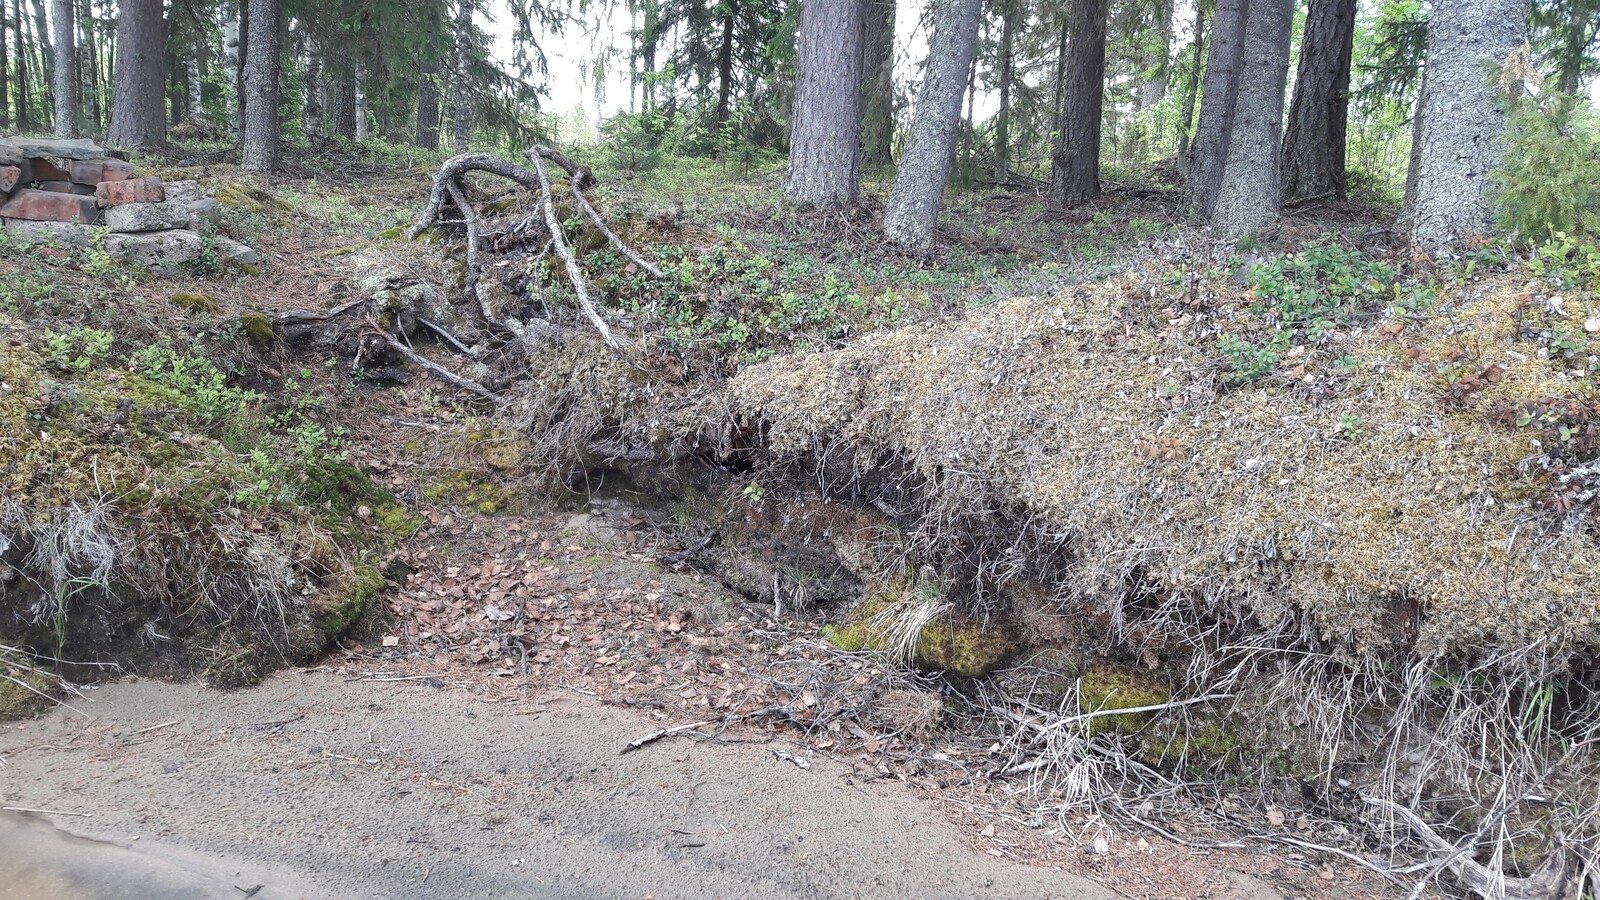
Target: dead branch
x,y
436,370
654,736
588,210
574,273
445,335
306,316
1551,881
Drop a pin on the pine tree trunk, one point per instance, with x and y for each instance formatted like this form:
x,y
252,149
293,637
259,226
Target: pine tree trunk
x,y
877,76
725,67
1154,88
925,167
1583,25
5,71
68,118
90,61
825,146
47,52
1191,88
463,101
1075,164
23,94
1002,118
342,105
261,88
1313,147
1247,192
1459,134
138,113
1220,92
428,108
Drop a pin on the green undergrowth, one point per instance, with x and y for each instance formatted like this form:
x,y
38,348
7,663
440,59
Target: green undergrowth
x,y
237,511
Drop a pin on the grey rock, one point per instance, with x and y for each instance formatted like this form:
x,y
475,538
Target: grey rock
x,y
235,252
32,146
69,235
379,281
205,209
420,296
187,191
156,248
131,217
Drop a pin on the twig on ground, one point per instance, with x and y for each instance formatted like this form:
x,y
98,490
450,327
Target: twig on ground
x,y
654,736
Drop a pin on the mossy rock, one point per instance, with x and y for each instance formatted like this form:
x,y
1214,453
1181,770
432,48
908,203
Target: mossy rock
x,y
252,199
334,610
196,303
949,643
258,330
1108,686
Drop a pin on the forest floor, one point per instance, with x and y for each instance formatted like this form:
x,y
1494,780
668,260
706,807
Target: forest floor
x,y
470,737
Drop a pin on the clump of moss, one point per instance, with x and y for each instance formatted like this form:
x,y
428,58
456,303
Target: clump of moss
x,y
252,199
462,487
258,330
499,448
196,303
24,692
1111,686
337,608
948,642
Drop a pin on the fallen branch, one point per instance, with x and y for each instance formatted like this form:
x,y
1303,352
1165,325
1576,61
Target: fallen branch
x,y
574,273
445,335
306,316
654,736
1551,881
436,370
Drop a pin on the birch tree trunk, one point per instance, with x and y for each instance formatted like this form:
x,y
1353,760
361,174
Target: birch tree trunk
x,y
1314,145
69,119
361,103
920,181
311,110
825,146
261,88
233,64
1459,133
1075,164
138,95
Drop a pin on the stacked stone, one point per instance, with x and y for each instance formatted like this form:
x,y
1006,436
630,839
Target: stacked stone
x,y
56,190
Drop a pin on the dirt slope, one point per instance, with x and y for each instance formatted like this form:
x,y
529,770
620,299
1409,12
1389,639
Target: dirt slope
x,y
317,786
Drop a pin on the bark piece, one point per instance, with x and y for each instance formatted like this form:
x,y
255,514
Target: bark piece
x,y
43,206
134,190
95,171
156,248
135,217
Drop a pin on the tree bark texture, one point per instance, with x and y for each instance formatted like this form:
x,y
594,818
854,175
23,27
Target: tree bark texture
x,y
69,121
5,71
342,104
1220,91
825,146
1314,145
1009,14
361,103
1248,190
138,98
196,90
925,167
1459,134
725,66
22,93
232,64
89,61
877,47
261,88
1075,164
428,108
463,100
41,33
315,90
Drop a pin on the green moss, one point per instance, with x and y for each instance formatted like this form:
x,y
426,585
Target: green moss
x,y
392,234
949,643
463,488
196,303
258,330
335,614
20,692
252,199
1110,686
393,519
499,448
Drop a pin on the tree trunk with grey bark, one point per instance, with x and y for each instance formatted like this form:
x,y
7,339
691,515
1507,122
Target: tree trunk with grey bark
x,y
233,50
5,72
47,52
1075,164
1248,192
361,103
138,96
315,90
22,94
261,88
463,100
428,108
69,118
1009,13
1219,95
1459,134
920,181
877,76
825,145
1191,88
342,104
1314,145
